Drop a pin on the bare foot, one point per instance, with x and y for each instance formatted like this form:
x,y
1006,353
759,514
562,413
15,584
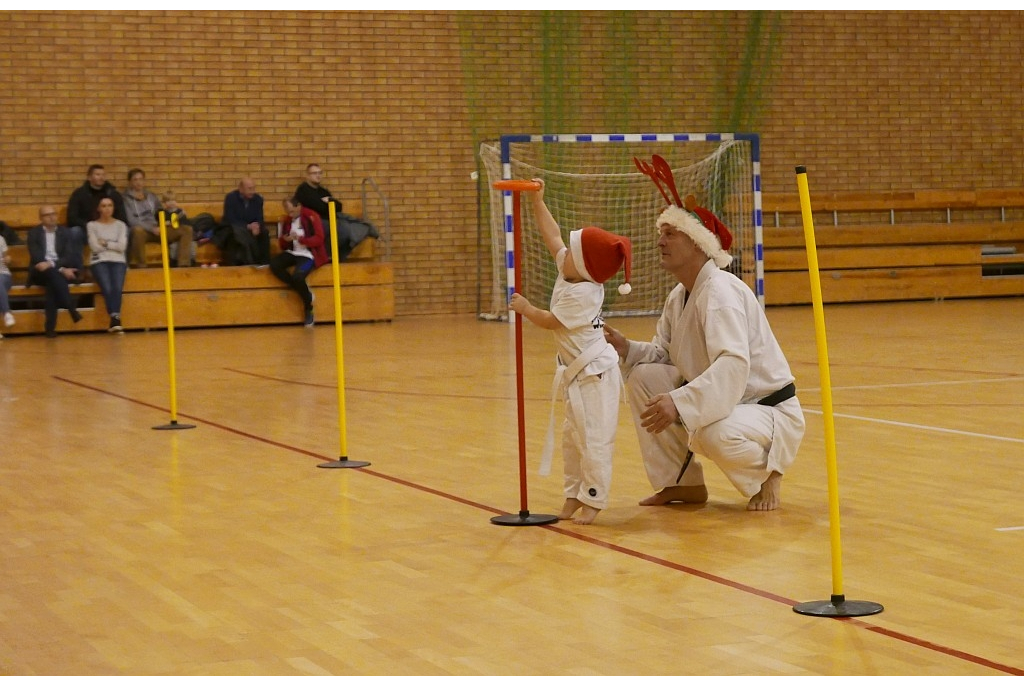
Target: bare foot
x,y
569,508
587,515
688,494
770,496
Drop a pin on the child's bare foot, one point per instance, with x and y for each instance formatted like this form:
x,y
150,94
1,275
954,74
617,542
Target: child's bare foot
x,y
569,508
770,496
688,494
587,515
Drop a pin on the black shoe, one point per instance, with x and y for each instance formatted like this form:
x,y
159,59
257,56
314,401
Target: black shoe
x,y
51,334
115,325
308,321
75,316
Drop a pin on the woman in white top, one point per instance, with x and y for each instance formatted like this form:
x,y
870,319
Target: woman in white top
x,y
108,241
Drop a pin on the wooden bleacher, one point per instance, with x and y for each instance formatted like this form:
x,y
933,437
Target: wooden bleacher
x,y
208,294
896,246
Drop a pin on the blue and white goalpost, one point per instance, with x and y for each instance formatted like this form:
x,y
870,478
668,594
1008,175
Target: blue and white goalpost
x,y
591,179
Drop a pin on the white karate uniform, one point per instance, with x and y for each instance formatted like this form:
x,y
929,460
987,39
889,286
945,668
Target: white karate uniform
x,y
715,353
592,395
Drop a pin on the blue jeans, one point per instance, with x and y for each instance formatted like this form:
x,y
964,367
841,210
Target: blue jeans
x,y
110,278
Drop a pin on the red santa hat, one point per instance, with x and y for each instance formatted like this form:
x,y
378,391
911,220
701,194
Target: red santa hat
x,y
599,254
703,227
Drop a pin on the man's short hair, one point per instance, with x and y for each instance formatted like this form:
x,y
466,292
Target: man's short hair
x,y
310,166
93,168
132,172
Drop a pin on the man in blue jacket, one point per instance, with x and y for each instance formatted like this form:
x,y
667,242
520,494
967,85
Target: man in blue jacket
x,y
249,240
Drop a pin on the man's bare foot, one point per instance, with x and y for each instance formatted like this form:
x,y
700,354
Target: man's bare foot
x,y
688,494
587,515
770,496
569,508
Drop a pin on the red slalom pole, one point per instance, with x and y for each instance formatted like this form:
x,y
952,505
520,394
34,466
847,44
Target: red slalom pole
x,y
524,517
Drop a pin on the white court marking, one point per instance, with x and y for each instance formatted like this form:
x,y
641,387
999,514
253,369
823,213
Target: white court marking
x,y
923,383
936,429
918,426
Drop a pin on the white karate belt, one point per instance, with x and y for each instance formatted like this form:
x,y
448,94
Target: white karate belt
x,y
564,377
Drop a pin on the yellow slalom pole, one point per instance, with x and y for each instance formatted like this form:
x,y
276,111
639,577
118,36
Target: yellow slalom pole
x,y
170,329
343,461
837,605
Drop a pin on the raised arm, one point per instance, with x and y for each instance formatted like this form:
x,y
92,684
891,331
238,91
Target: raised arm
x,y
546,223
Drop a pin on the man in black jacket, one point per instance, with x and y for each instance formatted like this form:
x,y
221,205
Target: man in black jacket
x,y
83,202
55,260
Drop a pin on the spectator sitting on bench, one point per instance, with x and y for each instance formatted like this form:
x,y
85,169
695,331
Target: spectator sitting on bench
x,y
302,250
108,242
248,241
174,216
142,208
86,198
316,197
55,260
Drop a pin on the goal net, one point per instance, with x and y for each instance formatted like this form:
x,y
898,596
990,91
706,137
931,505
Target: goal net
x,y
592,180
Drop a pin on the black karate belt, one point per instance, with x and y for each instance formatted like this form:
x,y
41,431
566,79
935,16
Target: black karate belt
x,y
779,396
686,462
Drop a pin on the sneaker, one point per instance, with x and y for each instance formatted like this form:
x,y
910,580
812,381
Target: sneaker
x,y
8,319
115,325
75,316
308,323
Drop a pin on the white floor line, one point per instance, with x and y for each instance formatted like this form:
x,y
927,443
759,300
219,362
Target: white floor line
x,y
920,427
1003,530
922,383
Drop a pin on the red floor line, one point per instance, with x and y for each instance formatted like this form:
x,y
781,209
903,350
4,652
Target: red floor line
x,y
909,639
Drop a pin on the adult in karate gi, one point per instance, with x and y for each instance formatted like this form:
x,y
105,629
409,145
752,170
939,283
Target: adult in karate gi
x,y
713,381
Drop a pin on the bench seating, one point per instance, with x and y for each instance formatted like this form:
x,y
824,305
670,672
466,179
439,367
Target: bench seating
x,y
896,246
208,294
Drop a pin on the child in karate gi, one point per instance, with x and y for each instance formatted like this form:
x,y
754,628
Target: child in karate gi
x,y
587,366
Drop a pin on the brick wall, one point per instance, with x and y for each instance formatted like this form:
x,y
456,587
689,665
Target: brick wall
x,y
866,100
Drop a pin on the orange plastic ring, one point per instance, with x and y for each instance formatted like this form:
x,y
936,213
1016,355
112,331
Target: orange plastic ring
x,y
516,186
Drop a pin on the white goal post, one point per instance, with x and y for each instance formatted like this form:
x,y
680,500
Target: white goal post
x,y
592,180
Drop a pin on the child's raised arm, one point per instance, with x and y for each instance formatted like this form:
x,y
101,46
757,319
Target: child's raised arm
x,y
546,223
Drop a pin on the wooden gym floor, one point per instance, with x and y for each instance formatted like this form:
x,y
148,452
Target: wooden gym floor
x,y
223,549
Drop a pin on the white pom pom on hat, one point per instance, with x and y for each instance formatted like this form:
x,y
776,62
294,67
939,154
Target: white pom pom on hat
x,y
599,254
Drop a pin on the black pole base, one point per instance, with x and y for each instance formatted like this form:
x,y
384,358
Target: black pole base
x,y
342,463
173,426
838,607
524,518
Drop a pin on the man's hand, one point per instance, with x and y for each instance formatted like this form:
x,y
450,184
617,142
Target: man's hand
x,y
616,340
254,228
68,272
661,413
